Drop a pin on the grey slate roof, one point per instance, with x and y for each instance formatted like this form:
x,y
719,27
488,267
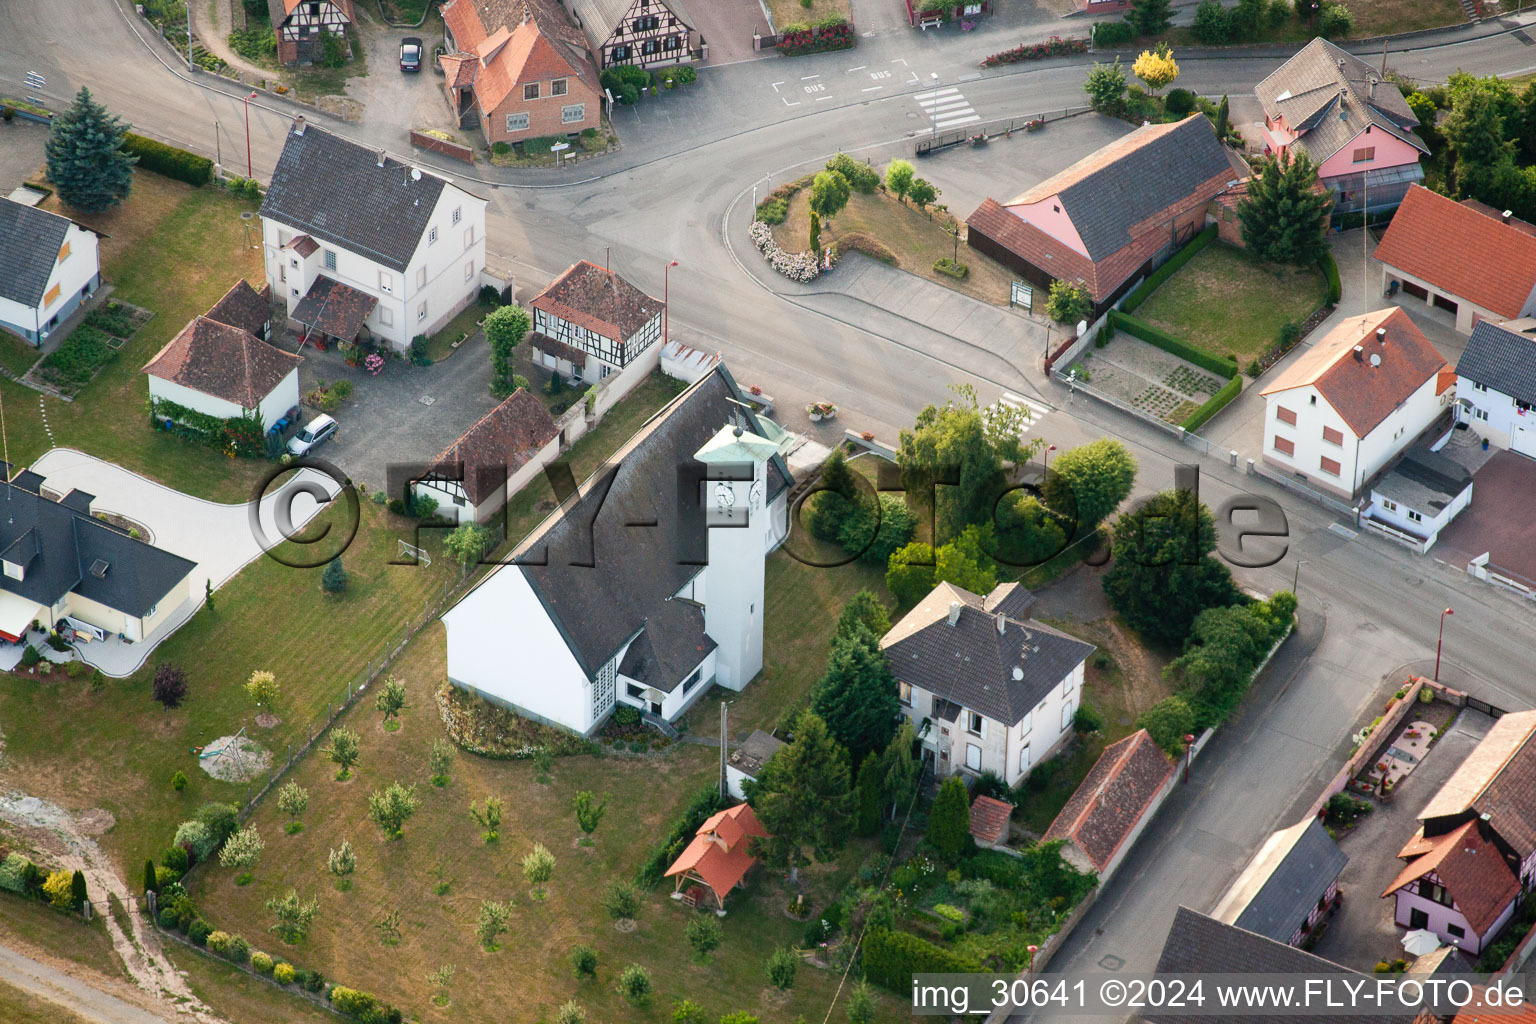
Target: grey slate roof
x,y
613,557
57,545
1004,675
671,646
754,752
1500,359
335,191
1295,884
30,240
1321,80
1424,481
1198,944
1111,191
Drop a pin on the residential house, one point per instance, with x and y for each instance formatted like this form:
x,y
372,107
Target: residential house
x,y
590,323
50,268
647,33
1114,216
1456,885
1107,812
746,761
1421,495
70,571
1355,126
928,14
718,857
220,364
1466,258
518,69
1360,395
1496,384
475,475
359,243
1495,783
1288,886
303,25
646,585
985,688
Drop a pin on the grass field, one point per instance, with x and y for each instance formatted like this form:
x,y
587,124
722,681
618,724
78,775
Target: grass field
x,y
798,12
440,345
916,238
1226,302
20,1007
530,975
1372,18
43,931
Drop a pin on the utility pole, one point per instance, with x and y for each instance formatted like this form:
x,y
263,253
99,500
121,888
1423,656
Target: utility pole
x,y
1384,59
191,67
724,786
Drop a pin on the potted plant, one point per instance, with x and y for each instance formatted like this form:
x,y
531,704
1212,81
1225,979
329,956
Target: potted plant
x,y
819,411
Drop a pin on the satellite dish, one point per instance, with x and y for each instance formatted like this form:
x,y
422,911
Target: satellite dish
x,y
415,173
1018,673
1375,358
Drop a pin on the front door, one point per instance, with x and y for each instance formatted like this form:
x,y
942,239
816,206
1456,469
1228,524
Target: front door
x,y
656,707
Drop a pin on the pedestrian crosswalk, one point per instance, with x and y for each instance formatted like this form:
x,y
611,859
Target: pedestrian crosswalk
x,y
947,108
1034,410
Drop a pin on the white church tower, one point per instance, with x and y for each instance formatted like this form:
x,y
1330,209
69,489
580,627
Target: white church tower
x,y
736,512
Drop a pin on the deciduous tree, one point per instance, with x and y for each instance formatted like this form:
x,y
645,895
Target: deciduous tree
x,y
263,690
343,751
968,443
439,760
1156,68
898,178
1090,481
1068,302
965,562
489,818
242,850
538,866
865,609
829,194
909,573
86,159
491,923
1105,86
390,807
294,915
505,328
923,193
467,543
391,699
341,863
170,685
589,814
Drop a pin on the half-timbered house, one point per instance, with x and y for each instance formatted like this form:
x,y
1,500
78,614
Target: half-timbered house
x,y
475,475
647,33
302,25
591,323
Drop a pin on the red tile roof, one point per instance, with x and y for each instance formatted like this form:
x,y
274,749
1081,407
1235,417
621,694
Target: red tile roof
x,y
223,361
1362,393
303,245
498,445
1472,871
718,853
244,307
1111,800
1461,250
989,819
510,43
599,300
459,69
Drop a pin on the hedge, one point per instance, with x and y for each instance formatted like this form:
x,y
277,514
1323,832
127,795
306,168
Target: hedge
x,y
242,434
366,1008
1167,270
891,958
1223,368
1330,270
704,803
169,161
1214,404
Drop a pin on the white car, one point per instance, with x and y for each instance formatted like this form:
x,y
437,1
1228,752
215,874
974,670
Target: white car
x,y
315,433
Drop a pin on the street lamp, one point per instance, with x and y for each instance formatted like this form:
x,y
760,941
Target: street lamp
x,y
666,301
933,107
248,99
1032,950
1296,578
1439,643
1189,753
1048,451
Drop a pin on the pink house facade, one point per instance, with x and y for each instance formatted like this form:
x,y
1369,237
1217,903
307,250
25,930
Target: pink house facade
x,y
1354,125
1460,889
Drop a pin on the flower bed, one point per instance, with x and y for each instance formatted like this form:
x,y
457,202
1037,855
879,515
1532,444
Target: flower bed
x,y
1052,47
797,266
831,34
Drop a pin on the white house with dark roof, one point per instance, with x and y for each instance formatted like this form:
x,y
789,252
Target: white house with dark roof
x,y
986,688
1496,384
358,241
646,585
1420,495
49,268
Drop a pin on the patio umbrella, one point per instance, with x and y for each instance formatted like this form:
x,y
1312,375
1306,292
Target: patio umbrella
x,y
1420,941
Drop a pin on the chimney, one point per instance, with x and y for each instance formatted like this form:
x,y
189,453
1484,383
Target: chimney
x,y
1504,217
1359,352
298,125
954,612
1381,335
1002,624
380,161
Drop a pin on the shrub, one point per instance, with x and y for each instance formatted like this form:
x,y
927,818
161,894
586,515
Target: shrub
x,y
1213,405
13,872
1223,368
861,177
635,984
261,963
909,572
165,876
773,211
1335,21
781,966
621,900
501,148
198,931
686,1011
1087,719
1179,101
223,820
1052,47
584,962
874,541
170,685
311,980
168,918
176,858
1169,721
950,268
168,160
703,933
704,803
891,958
1331,271
1113,33
179,781
31,656
570,1012
1213,25
283,973
196,838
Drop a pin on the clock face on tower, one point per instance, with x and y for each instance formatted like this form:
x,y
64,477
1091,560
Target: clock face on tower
x,y
725,497
755,495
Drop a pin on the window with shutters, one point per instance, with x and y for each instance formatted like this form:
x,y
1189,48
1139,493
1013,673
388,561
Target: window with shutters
x,y
330,259
573,114
431,235
421,312
517,122
649,23
421,277
386,317
469,236
1026,724
458,211
973,757
51,296
386,281
1066,716
469,270
1285,415
1365,154
1333,436
974,723
1329,466
1284,446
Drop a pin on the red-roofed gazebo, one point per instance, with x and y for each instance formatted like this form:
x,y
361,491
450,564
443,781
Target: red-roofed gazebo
x,y
717,858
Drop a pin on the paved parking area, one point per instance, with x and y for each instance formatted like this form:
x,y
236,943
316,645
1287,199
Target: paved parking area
x,y
404,99
21,152
727,25
1362,932
407,413
1498,522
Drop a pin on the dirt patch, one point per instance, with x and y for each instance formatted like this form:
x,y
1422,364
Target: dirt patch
x,y
343,107
235,759
95,822
267,721
625,925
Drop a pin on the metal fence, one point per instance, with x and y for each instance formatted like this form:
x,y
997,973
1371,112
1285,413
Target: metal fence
x,y
1004,126
1077,386
1297,487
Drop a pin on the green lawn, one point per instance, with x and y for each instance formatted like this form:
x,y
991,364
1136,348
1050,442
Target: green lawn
x,y
440,345
240,998
525,979
21,1007
16,354
1228,303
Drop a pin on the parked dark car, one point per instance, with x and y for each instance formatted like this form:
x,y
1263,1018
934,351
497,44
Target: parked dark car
x,y
410,54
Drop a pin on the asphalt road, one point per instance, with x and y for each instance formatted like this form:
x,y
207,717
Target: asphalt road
x,y
1370,609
